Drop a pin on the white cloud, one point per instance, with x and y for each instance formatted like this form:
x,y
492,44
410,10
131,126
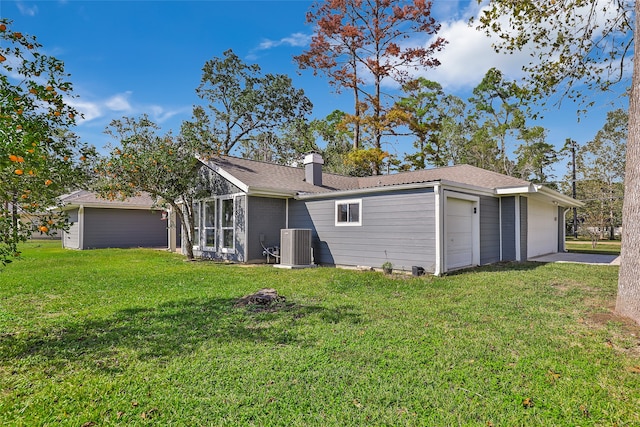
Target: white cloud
x,y
27,10
469,52
469,55
88,110
104,110
160,114
295,40
119,102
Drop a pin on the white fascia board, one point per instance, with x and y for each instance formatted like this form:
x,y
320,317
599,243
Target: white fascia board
x,y
266,192
456,186
109,206
226,175
358,191
504,191
554,195
562,199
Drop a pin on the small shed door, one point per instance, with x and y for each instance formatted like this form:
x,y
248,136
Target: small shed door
x,y
459,233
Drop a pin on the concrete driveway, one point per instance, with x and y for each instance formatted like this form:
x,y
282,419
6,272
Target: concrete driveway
x,y
596,259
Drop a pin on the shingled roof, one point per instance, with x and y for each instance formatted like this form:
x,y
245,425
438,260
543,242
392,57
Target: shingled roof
x,y
264,176
90,199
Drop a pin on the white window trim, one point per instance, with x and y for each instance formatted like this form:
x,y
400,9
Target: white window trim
x,y
203,229
224,249
347,223
197,230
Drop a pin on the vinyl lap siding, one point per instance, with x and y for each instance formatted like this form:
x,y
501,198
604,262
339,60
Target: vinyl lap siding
x,y
508,215
396,227
489,230
123,228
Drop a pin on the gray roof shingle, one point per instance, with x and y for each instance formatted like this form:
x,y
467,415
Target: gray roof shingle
x,y
84,197
269,176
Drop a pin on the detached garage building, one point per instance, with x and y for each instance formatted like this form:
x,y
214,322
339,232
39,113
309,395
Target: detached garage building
x,y
438,219
100,223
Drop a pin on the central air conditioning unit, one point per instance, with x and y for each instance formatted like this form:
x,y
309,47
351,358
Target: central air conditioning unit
x,y
295,247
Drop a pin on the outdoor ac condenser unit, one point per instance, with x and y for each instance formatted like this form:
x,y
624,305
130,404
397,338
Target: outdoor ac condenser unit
x,y
295,247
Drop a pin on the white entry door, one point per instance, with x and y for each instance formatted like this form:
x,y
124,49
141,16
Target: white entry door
x,y
459,245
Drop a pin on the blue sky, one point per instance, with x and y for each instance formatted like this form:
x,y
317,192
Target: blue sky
x,y
132,57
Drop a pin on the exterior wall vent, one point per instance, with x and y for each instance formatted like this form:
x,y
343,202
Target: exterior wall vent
x,y
295,246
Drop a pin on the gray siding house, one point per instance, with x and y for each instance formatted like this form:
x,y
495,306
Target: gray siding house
x,y
101,223
439,219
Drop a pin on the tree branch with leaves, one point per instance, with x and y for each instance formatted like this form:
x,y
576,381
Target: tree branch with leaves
x,y
40,159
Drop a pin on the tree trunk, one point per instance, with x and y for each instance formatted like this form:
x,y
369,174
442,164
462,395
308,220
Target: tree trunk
x,y
356,128
628,301
356,99
186,221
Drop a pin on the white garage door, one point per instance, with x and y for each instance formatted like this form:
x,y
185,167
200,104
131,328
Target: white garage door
x,y
459,233
542,228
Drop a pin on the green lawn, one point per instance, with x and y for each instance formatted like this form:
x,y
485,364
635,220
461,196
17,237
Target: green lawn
x,y
603,247
140,337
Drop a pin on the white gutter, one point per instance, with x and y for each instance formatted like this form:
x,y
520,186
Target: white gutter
x,y
109,206
562,199
267,192
514,190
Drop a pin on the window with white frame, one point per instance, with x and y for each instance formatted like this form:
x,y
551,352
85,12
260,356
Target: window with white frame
x,y
209,223
348,212
227,224
196,225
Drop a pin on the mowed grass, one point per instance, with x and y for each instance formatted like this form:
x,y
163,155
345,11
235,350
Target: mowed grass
x,y
141,337
606,247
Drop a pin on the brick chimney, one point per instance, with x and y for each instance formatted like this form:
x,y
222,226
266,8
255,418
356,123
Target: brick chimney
x,y
313,168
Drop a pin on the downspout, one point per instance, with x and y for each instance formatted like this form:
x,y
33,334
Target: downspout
x,y
246,227
500,225
439,231
564,229
517,228
286,213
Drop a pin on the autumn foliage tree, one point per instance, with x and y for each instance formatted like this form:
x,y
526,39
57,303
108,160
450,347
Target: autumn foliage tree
x,y
358,44
39,158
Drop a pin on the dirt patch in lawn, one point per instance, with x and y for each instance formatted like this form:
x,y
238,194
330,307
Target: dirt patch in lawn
x,y
624,332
